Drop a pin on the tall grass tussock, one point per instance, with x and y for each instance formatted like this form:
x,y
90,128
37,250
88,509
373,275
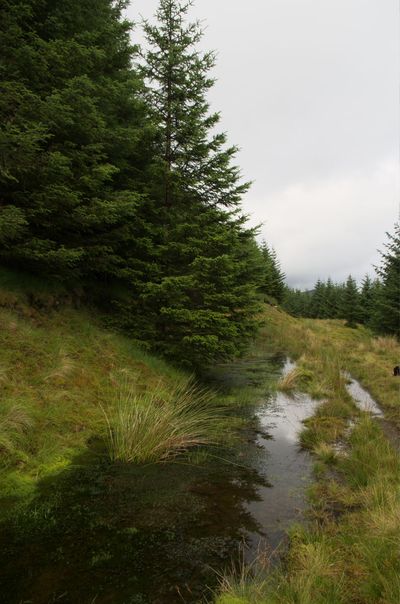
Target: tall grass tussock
x,y
153,426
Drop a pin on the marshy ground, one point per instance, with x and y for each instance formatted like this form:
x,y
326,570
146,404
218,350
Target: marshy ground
x,y
79,525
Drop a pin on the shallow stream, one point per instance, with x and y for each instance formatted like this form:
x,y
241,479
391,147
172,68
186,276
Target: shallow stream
x,y
104,533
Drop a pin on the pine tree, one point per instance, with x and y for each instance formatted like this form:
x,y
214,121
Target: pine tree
x,y
72,138
297,302
351,309
191,159
318,302
201,304
273,283
368,299
387,314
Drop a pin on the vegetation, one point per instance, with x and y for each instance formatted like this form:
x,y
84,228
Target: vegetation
x,y
58,370
114,180
153,426
348,551
376,304
118,195
273,281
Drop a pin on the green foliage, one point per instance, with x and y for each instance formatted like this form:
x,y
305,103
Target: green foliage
x,y
273,278
376,304
197,302
387,313
351,310
114,180
71,128
190,158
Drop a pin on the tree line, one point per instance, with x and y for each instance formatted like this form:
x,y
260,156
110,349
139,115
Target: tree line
x,y
114,177
376,303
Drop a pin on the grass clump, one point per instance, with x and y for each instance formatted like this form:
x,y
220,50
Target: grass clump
x,y
157,426
296,379
15,422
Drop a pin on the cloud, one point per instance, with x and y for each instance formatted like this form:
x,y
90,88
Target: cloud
x,y
330,227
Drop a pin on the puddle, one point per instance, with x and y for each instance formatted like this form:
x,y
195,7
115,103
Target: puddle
x,y
287,468
102,533
362,398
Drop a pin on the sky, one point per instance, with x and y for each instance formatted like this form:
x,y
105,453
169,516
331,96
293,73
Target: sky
x,y
309,91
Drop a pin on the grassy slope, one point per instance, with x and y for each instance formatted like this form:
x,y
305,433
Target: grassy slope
x,y
349,552
57,368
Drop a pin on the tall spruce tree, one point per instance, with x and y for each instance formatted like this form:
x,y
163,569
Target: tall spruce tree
x,y
387,313
192,159
201,305
368,299
318,302
72,138
273,283
351,309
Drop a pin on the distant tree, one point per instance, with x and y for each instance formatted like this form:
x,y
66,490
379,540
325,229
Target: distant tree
x,y
387,314
351,308
273,280
297,302
318,302
368,299
331,300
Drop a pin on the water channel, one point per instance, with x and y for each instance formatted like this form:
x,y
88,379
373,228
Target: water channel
x,y
104,533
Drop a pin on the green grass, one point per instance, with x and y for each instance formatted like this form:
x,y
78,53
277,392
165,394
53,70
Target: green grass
x,y
349,551
58,368
157,425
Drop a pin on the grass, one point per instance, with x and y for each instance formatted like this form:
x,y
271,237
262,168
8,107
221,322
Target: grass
x,y
58,368
66,384
14,424
156,426
349,551
294,380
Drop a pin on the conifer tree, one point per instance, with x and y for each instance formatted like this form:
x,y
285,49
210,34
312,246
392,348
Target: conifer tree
x,y
318,301
351,309
297,302
368,299
191,158
201,303
273,283
73,141
387,314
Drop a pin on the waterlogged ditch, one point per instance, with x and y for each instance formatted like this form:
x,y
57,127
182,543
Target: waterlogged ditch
x,y
119,534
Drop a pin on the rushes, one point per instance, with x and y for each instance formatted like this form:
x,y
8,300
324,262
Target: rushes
x,y
156,426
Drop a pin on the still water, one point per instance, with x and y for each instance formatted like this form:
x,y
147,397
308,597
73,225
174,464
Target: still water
x,y
102,533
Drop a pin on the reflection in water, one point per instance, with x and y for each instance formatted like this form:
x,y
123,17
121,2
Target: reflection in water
x,y
362,398
287,467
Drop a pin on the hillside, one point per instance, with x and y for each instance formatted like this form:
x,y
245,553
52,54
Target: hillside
x,y
58,369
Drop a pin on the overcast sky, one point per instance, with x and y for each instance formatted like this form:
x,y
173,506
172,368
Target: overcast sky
x,y
309,90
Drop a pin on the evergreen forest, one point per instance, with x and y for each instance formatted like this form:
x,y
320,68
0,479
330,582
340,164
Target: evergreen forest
x,y
116,182
375,304
177,422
